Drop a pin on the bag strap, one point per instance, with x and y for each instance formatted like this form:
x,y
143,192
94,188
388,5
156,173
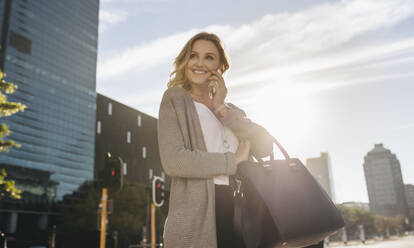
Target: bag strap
x,y
272,155
284,152
238,215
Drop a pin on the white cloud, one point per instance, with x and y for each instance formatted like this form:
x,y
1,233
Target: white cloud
x,y
274,45
142,56
111,18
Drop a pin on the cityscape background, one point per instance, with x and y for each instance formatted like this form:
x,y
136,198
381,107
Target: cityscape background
x,y
331,80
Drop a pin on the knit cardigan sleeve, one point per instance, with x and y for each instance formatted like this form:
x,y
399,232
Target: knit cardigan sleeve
x,y
177,158
260,140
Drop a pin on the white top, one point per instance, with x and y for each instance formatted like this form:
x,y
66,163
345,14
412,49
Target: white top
x,y
217,137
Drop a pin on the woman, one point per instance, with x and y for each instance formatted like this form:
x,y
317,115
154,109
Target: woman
x,y
201,141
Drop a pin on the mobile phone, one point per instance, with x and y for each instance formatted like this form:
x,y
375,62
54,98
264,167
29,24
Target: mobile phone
x,y
212,89
212,92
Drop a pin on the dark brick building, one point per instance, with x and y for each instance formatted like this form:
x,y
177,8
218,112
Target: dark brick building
x,y
129,134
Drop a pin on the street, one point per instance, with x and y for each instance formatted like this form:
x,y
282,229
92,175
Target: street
x,y
405,242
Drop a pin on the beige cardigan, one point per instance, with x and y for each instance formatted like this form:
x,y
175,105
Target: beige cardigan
x,y
191,221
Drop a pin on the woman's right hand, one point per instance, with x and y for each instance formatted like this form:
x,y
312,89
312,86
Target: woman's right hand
x,y
242,153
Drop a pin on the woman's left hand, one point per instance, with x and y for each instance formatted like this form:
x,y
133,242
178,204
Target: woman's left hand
x,y
217,81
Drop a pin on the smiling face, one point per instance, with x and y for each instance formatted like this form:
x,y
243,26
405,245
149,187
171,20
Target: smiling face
x,y
204,58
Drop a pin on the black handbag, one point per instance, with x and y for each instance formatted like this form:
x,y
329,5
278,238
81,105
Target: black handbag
x,y
278,203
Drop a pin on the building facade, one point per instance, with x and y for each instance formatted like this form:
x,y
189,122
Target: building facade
x,y
409,195
321,170
384,182
129,134
49,50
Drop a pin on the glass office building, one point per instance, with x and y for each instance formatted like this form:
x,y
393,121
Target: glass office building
x,y
49,49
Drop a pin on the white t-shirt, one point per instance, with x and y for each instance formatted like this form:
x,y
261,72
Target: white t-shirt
x,y
217,137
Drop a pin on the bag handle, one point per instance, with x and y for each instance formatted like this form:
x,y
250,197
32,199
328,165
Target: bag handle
x,y
272,155
285,154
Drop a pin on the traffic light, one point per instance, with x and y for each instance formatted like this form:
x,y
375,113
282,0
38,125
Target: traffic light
x,y
158,191
113,176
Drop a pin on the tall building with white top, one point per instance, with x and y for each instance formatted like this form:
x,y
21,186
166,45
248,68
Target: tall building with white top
x,y
384,182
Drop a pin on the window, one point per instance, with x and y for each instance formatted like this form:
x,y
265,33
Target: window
x,y
128,137
144,152
20,43
139,120
109,108
98,127
125,168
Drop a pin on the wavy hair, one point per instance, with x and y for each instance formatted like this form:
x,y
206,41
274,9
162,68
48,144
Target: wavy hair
x,y
178,77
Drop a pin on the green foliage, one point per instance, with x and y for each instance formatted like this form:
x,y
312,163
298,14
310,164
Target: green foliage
x,y
6,109
7,187
373,224
129,214
81,219
356,216
394,224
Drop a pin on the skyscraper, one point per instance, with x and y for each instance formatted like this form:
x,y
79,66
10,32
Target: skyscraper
x,y
320,168
409,195
384,182
49,49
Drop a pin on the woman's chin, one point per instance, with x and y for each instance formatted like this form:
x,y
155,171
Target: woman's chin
x,y
199,82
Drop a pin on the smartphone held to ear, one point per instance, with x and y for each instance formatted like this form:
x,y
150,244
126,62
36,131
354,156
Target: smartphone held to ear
x,y
212,92
212,89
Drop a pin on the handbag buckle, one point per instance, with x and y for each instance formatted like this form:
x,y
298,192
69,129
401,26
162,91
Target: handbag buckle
x,y
238,185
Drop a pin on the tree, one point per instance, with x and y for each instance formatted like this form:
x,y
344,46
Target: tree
x,y
374,225
389,225
80,219
7,187
355,216
6,109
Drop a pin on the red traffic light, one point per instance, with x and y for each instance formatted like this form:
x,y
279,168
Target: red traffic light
x,y
112,172
158,191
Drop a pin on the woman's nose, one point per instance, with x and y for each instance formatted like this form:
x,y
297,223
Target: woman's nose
x,y
200,62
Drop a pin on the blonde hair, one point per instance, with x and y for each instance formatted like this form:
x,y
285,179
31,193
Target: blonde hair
x,y
178,77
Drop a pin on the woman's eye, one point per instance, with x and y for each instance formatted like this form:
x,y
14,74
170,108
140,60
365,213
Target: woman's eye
x,y
192,56
210,57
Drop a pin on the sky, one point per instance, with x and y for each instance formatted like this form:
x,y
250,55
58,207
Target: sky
x,y
320,76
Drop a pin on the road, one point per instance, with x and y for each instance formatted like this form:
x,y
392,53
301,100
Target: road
x,y
405,242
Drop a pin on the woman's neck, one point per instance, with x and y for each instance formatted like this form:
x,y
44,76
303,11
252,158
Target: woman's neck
x,y
201,94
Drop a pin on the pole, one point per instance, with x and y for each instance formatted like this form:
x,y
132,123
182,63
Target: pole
x,y
52,245
116,239
344,236
103,217
153,235
362,233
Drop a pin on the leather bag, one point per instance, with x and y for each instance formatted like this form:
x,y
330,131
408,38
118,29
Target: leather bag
x,y
278,203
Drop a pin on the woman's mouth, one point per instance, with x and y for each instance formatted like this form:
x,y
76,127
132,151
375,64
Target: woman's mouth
x,y
200,72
